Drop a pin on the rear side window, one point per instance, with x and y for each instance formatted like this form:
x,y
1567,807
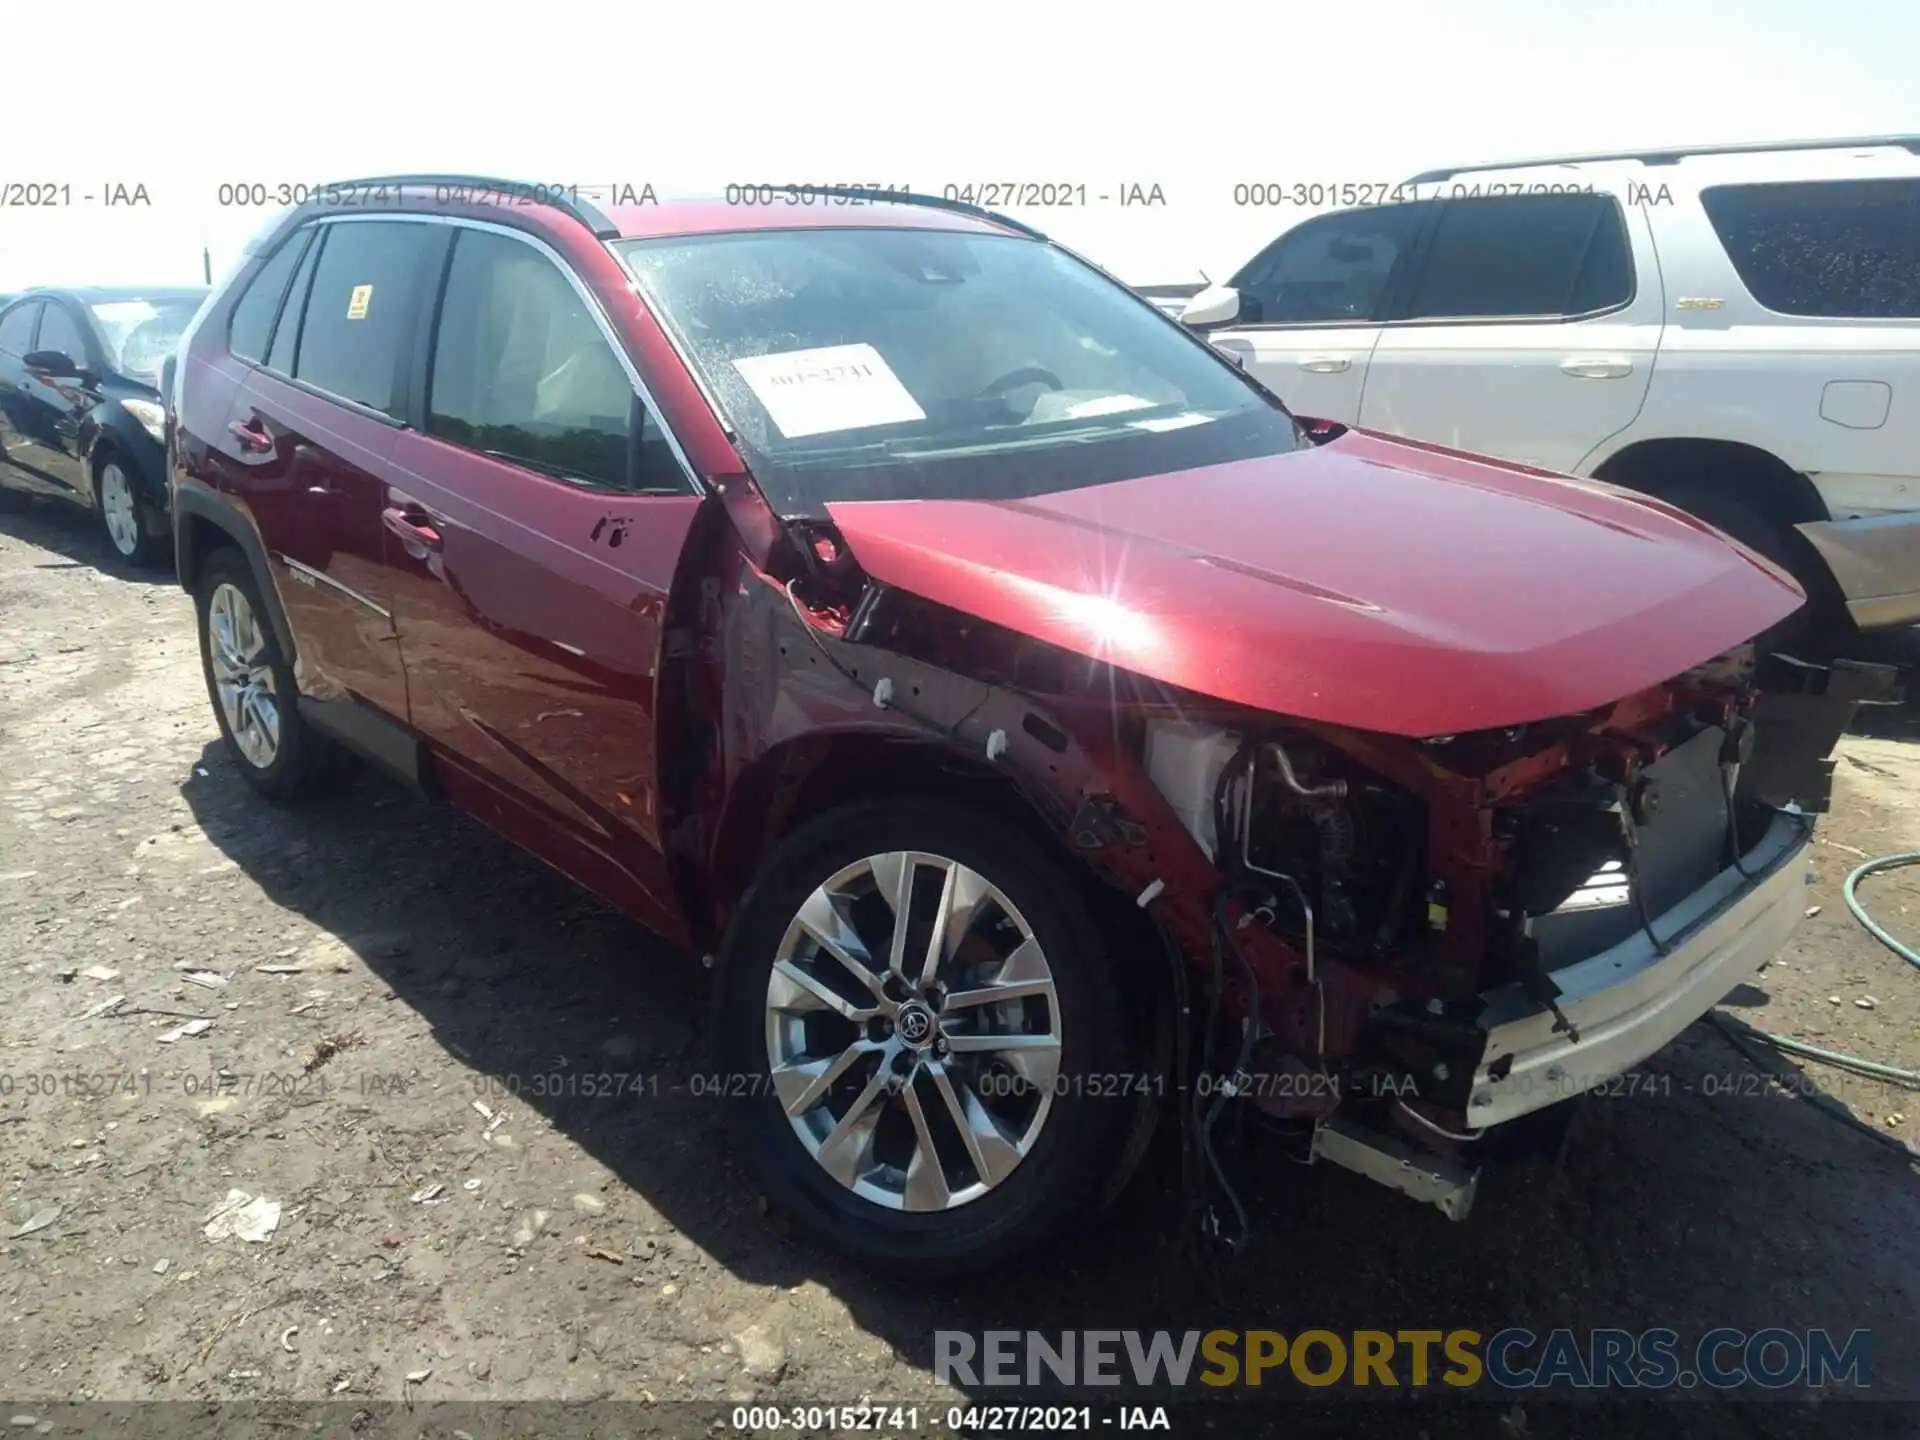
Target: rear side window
x,y
1525,256
522,372
286,334
359,311
60,331
1838,249
253,316
16,328
1328,271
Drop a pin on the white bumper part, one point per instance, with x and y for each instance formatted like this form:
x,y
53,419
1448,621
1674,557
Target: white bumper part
x,y
1875,561
1627,1002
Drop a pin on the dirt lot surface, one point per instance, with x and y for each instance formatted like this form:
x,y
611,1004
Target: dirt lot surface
x,y
556,1245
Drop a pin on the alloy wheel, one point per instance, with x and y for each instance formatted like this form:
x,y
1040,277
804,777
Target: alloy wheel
x,y
243,676
913,1031
117,508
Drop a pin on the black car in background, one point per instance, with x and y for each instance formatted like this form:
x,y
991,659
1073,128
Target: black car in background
x,y
80,412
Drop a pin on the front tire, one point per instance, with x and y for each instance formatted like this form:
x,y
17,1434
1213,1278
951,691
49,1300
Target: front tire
x,y
929,1052
130,520
255,700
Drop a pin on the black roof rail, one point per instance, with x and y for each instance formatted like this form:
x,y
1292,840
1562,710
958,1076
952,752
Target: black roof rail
x,y
561,197
1674,154
932,202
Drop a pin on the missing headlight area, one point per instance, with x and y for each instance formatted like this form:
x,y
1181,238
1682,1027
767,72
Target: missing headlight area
x,y
1591,854
1288,807
1604,889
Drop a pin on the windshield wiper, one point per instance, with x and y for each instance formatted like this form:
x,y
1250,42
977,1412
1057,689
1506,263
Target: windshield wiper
x,y
911,450
1079,436
842,454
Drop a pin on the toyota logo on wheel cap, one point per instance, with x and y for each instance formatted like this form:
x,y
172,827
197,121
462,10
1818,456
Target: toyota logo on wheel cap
x,y
914,1024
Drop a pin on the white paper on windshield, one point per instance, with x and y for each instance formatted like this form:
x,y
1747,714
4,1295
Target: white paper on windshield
x,y
836,387
1169,422
1107,405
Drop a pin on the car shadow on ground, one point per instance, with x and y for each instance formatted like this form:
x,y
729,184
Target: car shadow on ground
x,y
78,537
1676,1203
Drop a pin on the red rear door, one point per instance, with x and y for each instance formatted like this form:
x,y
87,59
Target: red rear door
x,y
308,440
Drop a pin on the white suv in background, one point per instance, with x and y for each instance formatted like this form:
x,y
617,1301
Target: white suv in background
x,y
1735,329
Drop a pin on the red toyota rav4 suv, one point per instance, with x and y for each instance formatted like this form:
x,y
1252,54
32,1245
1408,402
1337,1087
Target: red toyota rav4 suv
x,y
1032,721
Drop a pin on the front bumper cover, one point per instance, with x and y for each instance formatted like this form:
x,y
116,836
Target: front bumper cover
x,y
1628,1001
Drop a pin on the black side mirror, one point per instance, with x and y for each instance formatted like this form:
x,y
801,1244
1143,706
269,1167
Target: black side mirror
x,y
52,364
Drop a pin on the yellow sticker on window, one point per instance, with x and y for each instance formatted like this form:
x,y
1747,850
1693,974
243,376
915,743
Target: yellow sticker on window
x,y
358,301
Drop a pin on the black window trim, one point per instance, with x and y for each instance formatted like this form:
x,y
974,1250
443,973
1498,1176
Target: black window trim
x,y
38,304
301,272
427,328
1403,292
1741,280
304,236
404,369
93,360
1391,293
426,317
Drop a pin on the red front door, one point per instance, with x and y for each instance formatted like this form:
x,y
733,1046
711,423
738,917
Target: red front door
x,y
534,532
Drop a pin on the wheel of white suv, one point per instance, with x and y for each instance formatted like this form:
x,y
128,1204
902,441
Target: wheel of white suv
x,y
924,1044
1763,536
252,686
129,520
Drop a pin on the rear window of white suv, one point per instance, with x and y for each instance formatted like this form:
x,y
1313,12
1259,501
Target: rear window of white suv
x,y
1835,249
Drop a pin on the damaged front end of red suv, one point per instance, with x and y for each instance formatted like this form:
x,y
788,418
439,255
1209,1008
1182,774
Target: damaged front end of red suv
x,y
1402,935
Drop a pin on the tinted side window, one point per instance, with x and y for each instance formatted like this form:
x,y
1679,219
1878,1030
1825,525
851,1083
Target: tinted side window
x,y
1847,249
286,333
60,331
521,371
359,310
253,316
1525,255
16,328
1331,269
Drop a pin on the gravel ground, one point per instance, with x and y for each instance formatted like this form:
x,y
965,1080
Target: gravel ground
x,y
401,1007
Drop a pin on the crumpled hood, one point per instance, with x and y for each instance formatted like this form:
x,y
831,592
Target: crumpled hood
x,y
1379,583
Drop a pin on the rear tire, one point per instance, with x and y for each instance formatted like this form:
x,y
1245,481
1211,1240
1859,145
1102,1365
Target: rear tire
x,y
251,685
854,1163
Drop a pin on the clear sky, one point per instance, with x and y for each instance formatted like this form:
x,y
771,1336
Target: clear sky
x,y
1193,97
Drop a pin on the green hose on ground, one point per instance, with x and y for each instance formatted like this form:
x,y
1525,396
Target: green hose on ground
x,y
1885,862
1739,1033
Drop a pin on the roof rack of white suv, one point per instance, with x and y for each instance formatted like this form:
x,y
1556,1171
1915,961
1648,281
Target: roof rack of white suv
x,y
1675,154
